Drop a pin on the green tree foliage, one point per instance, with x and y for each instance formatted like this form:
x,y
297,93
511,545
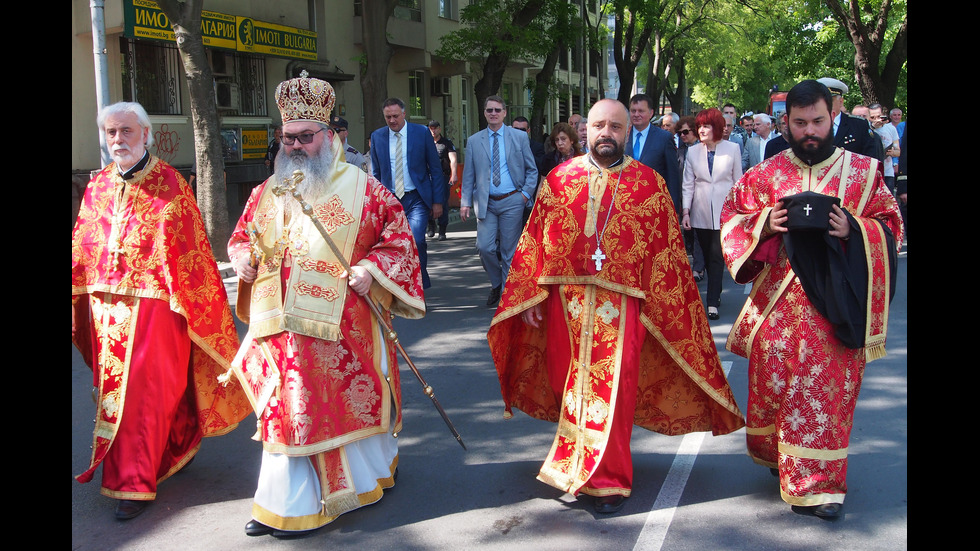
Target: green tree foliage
x,y
878,29
747,50
496,32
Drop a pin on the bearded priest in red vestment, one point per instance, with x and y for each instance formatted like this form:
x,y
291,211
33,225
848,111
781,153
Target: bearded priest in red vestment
x,y
600,326
150,316
818,310
321,376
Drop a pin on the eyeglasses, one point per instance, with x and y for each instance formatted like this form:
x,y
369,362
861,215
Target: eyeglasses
x,y
304,138
494,109
685,132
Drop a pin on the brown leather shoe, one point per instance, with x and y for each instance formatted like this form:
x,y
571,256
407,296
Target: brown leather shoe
x,y
607,505
129,508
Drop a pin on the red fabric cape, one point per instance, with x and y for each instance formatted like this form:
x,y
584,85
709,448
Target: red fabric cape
x,y
682,387
167,257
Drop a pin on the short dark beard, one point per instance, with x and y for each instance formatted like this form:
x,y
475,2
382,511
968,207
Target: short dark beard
x,y
812,153
606,159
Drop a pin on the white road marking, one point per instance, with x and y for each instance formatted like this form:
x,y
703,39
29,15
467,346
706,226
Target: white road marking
x,y
658,521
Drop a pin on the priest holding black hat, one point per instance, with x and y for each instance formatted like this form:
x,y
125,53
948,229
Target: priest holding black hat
x,y
815,229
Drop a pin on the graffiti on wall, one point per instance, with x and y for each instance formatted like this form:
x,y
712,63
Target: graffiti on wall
x,y
167,142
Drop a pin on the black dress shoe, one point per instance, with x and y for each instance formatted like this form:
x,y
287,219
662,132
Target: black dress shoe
x,y
128,508
829,511
256,528
606,505
291,534
494,297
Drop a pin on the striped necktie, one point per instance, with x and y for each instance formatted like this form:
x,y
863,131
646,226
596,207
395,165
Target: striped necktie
x,y
495,162
399,166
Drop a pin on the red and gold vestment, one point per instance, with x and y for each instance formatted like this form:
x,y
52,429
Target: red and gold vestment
x,y
803,382
624,344
153,322
313,362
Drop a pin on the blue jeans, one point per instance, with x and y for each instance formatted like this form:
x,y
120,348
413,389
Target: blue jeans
x,y
418,218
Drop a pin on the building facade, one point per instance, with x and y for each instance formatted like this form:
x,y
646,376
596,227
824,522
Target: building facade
x,y
255,44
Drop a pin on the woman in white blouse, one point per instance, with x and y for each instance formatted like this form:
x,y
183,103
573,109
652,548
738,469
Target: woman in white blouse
x,y
711,169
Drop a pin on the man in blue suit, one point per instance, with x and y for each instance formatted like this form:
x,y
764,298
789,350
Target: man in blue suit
x,y
653,146
404,159
499,178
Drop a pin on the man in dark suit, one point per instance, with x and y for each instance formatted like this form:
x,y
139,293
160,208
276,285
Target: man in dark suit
x,y
499,178
656,147
852,133
404,159
537,148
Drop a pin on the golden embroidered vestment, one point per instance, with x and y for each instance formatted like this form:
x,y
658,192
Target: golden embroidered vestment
x,y
153,322
625,344
803,382
312,361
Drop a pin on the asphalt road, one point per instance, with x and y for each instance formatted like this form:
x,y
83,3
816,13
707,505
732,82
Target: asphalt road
x,y
694,492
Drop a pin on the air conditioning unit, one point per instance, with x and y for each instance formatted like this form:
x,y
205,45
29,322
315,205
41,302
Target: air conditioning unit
x,y
227,95
222,63
441,86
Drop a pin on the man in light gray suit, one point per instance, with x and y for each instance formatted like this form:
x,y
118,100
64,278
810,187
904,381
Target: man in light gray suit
x,y
755,150
499,178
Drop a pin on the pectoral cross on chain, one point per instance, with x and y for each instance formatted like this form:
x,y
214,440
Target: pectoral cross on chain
x,y
598,257
808,208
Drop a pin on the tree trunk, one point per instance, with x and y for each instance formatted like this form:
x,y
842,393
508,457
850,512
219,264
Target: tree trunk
x,y
377,53
877,85
211,192
497,60
542,88
653,80
489,83
626,52
678,96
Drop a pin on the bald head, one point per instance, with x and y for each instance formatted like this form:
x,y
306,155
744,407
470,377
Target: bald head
x,y
608,128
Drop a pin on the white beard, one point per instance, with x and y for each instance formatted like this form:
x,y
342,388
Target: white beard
x,y
316,171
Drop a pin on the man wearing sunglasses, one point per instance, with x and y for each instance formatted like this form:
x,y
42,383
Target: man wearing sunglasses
x,y
499,178
321,377
404,158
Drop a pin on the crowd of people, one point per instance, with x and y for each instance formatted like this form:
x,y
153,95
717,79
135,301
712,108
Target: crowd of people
x,y
593,243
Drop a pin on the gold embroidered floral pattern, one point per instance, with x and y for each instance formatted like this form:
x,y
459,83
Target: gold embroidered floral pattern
x,y
145,237
322,266
332,214
361,398
607,312
306,288
803,383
